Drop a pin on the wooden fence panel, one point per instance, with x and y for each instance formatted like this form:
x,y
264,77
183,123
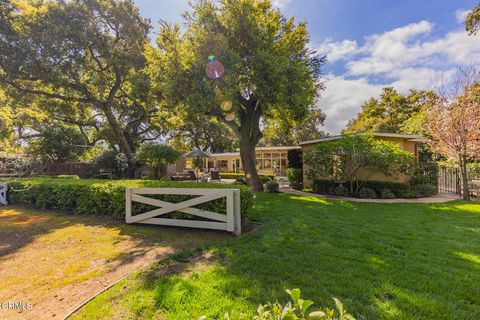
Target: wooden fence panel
x,y
230,222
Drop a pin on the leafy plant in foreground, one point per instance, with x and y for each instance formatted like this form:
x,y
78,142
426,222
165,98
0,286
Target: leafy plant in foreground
x,y
296,309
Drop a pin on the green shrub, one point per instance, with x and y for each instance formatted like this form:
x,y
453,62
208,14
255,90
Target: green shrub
x,y
367,193
230,175
241,180
400,190
295,177
387,194
67,176
103,176
419,179
271,186
341,191
97,197
424,190
323,186
297,308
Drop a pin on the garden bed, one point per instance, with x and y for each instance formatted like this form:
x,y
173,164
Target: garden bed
x,y
374,189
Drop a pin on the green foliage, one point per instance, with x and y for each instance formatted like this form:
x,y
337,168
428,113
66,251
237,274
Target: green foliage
x,y
269,68
393,112
295,176
296,309
89,76
263,177
340,190
400,190
386,193
58,144
271,186
18,166
367,193
157,156
423,190
472,23
295,158
114,160
96,197
347,158
283,131
241,180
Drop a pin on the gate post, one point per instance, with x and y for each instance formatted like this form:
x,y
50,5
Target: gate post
x,y
238,213
128,205
230,210
3,193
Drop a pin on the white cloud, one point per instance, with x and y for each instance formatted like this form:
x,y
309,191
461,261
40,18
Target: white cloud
x,y
405,58
337,50
407,47
385,52
461,15
342,100
280,3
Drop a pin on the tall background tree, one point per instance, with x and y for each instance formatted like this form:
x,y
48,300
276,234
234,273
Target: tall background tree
x,y
472,23
240,61
393,112
288,132
454,122
81,61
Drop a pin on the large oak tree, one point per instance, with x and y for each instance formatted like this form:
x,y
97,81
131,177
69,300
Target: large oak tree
x,y
268,68
82,55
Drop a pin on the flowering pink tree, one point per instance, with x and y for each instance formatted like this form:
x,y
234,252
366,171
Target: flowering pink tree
x,y
454,122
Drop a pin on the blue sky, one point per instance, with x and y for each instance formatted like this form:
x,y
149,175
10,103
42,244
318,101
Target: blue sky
x,y
370,44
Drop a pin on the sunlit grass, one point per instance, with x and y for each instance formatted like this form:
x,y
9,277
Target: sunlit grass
x,y
393,261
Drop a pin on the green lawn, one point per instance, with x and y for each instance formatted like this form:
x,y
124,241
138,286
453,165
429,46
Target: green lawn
x,y
398,261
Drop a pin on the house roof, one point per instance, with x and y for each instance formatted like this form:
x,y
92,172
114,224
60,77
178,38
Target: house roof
x,y
409,137
225,154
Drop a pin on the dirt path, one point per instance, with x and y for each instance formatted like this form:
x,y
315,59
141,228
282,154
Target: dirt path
x,y
55,262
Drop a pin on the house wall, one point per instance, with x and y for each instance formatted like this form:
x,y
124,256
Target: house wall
x,y
403,143
272,161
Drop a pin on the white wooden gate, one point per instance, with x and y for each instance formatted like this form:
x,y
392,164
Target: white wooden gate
x,y
3,193
230,222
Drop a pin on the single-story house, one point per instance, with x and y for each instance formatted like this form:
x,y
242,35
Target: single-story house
x,y
407,142
270,160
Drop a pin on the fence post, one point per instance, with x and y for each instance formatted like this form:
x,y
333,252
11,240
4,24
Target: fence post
x,y
3,193
230,210
128,205
238,213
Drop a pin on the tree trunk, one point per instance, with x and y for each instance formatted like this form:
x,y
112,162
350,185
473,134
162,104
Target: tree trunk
x,y
250,134
248,157
122,140
463,171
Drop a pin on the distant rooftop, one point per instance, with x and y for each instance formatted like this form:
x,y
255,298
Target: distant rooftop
x,y
410,137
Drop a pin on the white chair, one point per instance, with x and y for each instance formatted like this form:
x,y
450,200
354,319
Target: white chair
x,y
3,193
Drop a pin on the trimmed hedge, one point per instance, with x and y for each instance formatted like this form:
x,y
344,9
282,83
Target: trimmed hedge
x,y
400,190
263,177
98,197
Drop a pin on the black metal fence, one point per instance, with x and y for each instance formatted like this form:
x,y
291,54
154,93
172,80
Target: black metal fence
x,y
449,180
